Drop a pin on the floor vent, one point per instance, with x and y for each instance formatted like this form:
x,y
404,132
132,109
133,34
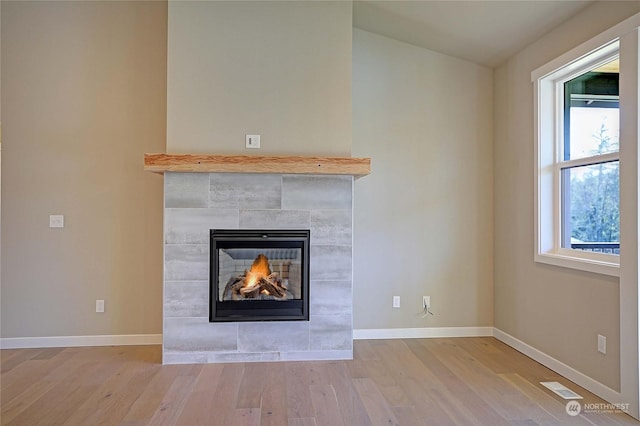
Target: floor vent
x,y
561,390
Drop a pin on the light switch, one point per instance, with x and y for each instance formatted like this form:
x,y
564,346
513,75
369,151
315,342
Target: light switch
x,y
56,221
252,141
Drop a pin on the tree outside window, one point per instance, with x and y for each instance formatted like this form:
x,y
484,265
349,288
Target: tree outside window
x,y
590,172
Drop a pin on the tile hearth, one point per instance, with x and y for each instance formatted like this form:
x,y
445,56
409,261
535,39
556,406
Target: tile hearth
x,y
198,202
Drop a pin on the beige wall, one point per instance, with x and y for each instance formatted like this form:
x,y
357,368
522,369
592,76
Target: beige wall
x,y
84,96
0,166
556,310
423,220
278,69
297,57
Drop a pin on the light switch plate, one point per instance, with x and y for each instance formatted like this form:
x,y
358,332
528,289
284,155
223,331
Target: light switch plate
x,y
56,221
252,141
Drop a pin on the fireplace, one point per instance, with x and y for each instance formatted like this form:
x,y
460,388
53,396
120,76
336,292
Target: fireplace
x,y
196,203
259,275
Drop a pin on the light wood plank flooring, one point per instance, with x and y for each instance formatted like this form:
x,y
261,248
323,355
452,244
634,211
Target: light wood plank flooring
x,y
465,381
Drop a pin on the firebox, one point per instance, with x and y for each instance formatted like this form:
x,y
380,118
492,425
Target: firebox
x,y
259,275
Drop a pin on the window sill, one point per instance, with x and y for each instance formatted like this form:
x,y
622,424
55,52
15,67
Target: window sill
x,y
597,266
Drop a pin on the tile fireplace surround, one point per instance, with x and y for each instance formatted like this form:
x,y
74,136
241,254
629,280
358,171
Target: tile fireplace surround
x,y
194,203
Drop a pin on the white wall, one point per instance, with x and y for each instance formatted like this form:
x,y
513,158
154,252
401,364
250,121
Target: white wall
x,y
423,219
280,69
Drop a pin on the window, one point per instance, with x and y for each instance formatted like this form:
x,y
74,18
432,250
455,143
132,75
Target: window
x,y
578,167
589,164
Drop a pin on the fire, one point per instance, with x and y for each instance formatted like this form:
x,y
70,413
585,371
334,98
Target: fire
x,y
257,282
259,269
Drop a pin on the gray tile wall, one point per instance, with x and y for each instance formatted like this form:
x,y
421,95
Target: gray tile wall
x,y
197,202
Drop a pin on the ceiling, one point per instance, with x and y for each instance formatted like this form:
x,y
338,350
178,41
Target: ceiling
x,y
484,32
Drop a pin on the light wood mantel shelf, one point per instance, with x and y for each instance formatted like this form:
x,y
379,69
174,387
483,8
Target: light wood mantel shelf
x,y
161,163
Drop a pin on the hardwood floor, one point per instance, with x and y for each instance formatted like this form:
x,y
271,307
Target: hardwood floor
x,y
465,381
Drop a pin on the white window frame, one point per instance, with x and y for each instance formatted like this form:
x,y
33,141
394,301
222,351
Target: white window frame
x,y
549,107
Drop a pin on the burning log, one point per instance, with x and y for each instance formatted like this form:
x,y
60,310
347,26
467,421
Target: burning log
x,y
258,282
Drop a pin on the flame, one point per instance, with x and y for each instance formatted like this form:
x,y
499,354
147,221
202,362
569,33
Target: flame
x,y
259,269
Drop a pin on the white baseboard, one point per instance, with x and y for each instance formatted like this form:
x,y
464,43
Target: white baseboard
x,y
74,341
422,333
561,368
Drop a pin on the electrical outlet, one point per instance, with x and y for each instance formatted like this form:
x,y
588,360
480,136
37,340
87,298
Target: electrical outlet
x,y
602,344
396,301
99,305
426,302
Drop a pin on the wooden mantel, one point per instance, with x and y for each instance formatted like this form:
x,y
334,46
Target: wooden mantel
x,y
161,163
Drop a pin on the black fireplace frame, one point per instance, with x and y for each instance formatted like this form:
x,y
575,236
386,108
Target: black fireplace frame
x,y
258,310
